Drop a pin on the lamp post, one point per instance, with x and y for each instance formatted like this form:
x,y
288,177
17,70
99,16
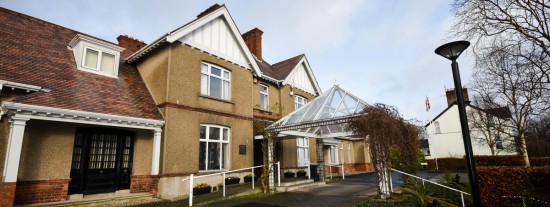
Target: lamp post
x,y
451,51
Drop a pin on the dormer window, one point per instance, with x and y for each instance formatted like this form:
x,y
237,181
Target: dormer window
x,y
96,56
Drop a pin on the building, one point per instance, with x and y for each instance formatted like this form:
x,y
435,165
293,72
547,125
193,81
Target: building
x,y
445,134
82,115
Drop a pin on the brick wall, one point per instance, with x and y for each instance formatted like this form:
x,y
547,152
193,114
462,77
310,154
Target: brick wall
x,y
41,191
7,194
144,183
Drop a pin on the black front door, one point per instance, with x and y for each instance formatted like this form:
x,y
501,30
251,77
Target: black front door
x,y
102,160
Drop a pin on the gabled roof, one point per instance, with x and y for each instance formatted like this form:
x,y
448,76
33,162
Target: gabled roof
x,y
35,52
283,70
212,13
500,112
334,104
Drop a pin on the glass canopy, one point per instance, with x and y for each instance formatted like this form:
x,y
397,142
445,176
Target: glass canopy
x,y
323,117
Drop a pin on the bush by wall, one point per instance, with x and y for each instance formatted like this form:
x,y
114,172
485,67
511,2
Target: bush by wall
x,y
487,160
498,185
539,161
448,163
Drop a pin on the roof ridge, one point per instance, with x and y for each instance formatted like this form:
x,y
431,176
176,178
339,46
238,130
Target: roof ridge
x,y
47,23
282,61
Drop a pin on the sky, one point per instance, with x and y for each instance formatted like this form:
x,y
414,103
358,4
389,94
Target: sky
x,y
382,51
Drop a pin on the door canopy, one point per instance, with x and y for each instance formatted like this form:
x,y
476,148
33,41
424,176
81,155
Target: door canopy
x,y
324,117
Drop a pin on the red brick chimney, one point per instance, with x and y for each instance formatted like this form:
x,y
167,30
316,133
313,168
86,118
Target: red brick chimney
x,y
131,44
451,96
209,10
253,40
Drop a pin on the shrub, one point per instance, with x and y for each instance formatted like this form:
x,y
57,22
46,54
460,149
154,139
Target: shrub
x,y
201,188
289,174
232,180
301,173
399,200
498,183
539,161
499,160
248,178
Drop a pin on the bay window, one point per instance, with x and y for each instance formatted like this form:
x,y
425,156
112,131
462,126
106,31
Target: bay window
x,y
215,81
214,147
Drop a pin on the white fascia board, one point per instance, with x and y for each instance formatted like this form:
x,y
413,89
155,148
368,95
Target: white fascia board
x,y
102,43
176,35
309,72
298,134
10,84
144,50
74,116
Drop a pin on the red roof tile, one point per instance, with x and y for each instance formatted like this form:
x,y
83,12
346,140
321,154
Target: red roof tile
x,y
36,52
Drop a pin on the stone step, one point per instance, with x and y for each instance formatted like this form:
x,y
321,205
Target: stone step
x,y
299,186
91,201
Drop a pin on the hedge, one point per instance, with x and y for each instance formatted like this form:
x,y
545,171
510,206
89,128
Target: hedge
x,y
487,160
498,184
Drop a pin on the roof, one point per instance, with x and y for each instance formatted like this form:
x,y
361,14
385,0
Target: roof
x,y
500,112
280,70
35,52
317,118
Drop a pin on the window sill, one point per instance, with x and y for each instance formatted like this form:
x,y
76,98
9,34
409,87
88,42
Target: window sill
x,y
263,111
216,99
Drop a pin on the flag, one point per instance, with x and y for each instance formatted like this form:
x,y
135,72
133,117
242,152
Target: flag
x,y
427,104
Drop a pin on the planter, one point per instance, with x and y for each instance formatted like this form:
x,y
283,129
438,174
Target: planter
x,y
232,180
301,173
202,190
289,174
248,179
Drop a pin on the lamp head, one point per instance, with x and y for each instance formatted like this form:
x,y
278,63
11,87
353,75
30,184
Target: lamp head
x,y
452,50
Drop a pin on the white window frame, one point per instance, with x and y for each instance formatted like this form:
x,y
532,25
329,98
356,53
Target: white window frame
x,y
99,60
437,127
299,100
302,144
264,106
333,155
224,163
349,152
342,153
223,79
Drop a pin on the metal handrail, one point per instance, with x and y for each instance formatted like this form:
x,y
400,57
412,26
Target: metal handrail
x,y
192,177
435,183
341,166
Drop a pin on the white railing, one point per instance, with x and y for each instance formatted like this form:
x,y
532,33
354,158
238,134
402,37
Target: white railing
x,y
462,193
192,178
338,166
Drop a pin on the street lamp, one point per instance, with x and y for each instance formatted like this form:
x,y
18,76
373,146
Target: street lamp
x,y
451,51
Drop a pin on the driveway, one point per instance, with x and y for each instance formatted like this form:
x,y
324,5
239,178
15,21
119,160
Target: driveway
x,y
349,192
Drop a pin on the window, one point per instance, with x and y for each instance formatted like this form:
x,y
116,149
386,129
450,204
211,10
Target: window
x,y
95,56
342,152
214,147
299,101
349,152
264,99
302,144
215,81
98,60
333,155
437,129
499,144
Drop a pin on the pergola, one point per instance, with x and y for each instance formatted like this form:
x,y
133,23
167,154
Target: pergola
x,y
325,117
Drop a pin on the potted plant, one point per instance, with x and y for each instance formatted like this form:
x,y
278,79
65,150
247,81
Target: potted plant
x,y
232,180
289,174
248,178
202,188
301,173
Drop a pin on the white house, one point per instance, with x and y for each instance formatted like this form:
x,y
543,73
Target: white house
x,y
445,134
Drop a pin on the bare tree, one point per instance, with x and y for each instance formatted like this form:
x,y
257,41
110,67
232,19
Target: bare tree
x,y
524,23
502,77
491,126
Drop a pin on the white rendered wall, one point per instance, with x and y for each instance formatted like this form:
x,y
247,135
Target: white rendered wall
x,y
449,142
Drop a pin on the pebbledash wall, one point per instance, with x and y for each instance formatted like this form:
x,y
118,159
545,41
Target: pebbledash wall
x,y
173,74
45,164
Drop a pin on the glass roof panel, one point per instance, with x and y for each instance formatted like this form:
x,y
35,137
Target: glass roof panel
x,y
329,108
347,107
315,106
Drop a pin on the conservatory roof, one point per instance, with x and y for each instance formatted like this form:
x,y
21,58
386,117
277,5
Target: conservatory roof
x,y
324,117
